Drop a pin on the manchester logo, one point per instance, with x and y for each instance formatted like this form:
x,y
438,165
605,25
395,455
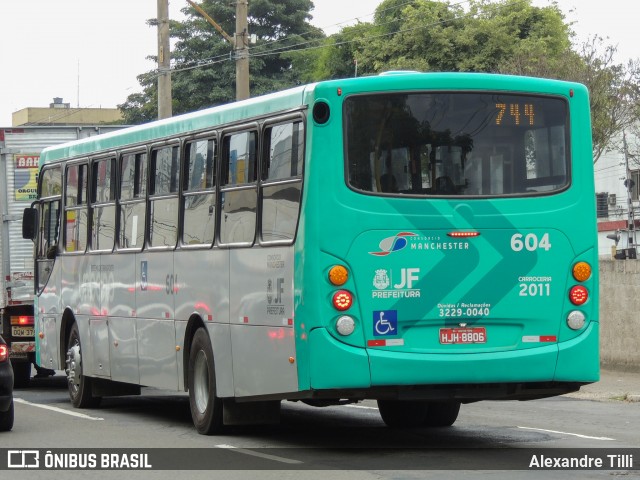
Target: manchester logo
x,y
393,244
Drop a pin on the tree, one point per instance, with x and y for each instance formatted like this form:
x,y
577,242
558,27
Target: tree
x,y
614,90
204,69
428,35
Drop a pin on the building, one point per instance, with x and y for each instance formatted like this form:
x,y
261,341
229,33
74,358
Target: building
x,y
617,180
60,113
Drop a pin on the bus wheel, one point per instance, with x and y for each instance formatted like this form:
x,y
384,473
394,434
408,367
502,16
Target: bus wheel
x,y
442,414
403,414
206,407
79,385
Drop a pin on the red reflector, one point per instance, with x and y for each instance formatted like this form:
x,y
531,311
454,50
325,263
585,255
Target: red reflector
x,y
342,300
539,338
578,295
4,353
463,234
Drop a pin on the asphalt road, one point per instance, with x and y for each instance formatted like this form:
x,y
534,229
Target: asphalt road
x,y
489,438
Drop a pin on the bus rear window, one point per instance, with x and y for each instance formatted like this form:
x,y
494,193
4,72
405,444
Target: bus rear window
x,y
468,144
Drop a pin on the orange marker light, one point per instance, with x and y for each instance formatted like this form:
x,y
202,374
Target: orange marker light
x,y
581,271
338,275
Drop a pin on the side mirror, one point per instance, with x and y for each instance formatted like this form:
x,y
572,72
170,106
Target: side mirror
x,y
30,223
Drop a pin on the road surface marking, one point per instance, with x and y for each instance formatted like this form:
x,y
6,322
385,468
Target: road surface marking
x,y
567,433
258,454
56,409
361,406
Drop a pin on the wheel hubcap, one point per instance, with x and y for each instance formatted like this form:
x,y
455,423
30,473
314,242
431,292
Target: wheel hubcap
x,y
74,369
201,382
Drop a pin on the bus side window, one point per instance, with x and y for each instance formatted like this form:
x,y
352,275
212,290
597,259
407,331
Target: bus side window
x,y
76,213
239,193
133,189
283,156
49,216
49,229
163,196
103,216
199,192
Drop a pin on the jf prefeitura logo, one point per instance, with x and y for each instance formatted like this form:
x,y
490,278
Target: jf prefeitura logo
x,y
26,176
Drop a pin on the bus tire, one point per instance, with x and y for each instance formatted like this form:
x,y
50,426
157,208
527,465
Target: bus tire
x,y
6,419
442,414
79,385
206,407
403,414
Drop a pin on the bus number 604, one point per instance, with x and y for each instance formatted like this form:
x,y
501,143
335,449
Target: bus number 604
x,y
530,242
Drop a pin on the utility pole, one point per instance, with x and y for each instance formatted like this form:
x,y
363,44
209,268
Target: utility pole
x,y
164,61
629,183
242,50
240,44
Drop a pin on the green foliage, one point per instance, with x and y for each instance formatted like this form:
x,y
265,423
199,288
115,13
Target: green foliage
x,y
614,93
509,36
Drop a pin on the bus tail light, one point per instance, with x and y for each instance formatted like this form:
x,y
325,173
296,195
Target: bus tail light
x,y
463,234
4,353
578,295
342,300
581,271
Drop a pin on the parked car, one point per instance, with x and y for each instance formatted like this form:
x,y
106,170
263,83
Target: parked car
x,y
6,388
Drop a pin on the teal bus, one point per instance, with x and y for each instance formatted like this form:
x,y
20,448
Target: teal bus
x,y
424,240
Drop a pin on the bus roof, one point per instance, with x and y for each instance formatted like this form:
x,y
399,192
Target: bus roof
x,y
187,123
294,98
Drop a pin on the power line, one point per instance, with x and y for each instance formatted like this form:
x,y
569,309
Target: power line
x,y
294,48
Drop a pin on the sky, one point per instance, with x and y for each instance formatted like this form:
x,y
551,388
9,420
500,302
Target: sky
x,y
90,52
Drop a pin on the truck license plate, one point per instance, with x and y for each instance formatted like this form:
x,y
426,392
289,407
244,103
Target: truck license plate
x,y
463,335
22,331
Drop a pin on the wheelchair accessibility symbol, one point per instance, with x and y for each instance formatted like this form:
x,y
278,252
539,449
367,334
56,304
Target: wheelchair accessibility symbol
x,y
385,323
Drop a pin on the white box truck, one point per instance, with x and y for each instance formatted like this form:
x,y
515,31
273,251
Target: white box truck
x,y
19,155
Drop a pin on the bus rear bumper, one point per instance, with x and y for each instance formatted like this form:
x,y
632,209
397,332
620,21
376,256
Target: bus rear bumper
x,y
530,373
